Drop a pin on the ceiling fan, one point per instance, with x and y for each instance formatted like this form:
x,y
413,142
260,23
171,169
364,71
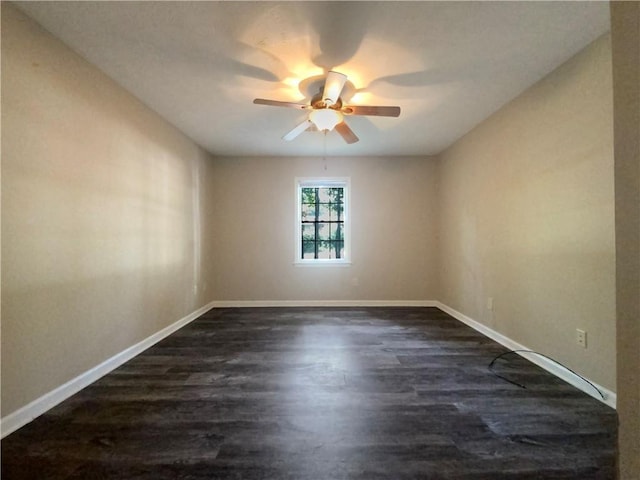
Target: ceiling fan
x,y
326,110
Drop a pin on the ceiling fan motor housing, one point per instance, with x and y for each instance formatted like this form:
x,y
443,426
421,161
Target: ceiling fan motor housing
x,y
317,102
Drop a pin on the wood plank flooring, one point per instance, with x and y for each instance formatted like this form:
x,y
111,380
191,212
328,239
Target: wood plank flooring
x,y
320,393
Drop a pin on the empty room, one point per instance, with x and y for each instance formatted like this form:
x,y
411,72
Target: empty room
x,y
320,240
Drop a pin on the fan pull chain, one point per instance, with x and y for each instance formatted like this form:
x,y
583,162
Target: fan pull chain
x,y
324,155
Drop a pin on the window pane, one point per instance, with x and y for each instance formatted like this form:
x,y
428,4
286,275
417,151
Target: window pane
x,y
308,212
338,248
324,231
337,212
308,195
336,195
337,231
325,213
308,249
308,232
324,195
324,250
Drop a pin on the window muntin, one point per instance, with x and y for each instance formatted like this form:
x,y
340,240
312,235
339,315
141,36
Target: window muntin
x,y
322,221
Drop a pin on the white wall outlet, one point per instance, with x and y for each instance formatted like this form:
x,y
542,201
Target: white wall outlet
x,y
581,338
490,303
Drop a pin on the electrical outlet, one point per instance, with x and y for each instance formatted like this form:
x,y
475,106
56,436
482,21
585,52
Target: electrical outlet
x,y
581,338
490,303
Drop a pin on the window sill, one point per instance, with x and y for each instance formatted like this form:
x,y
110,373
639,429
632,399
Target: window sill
x,y
322,263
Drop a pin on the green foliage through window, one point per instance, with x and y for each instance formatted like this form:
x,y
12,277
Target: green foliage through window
x,y
322,216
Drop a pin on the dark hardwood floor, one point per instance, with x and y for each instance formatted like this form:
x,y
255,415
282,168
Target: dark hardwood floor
x,y
320,393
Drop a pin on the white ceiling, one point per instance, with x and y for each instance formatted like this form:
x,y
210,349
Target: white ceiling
x,y
448,65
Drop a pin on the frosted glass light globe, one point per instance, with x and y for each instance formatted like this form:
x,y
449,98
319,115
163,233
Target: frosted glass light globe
x,y
325,118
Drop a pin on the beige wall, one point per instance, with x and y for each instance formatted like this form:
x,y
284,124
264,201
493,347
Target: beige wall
x,y
101,216
625,27
393,235
527,217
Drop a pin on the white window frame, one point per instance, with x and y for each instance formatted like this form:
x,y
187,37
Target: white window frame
x,y
318,182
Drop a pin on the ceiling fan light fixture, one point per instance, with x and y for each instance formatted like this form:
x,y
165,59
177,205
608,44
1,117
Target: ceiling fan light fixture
x,y
326,109
325,118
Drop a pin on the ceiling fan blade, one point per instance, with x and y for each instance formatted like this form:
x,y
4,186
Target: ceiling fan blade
x,y
276,103
371,110
333,87
346,133
298,130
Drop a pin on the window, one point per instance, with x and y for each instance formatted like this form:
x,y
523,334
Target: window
x,y
322,233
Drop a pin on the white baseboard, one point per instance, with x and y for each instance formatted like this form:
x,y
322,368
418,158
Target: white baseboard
x,y
556,369
24,415
322,303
